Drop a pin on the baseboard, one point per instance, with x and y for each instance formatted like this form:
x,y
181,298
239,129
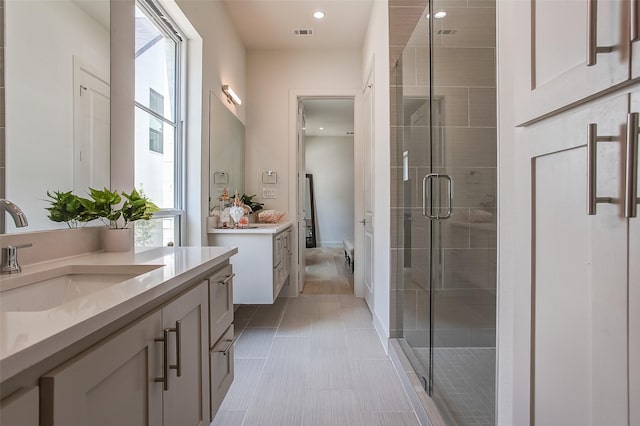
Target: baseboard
x,y
329,244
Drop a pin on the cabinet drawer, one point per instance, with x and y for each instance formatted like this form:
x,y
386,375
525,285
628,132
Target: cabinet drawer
x,y
221,369
20,408
220,303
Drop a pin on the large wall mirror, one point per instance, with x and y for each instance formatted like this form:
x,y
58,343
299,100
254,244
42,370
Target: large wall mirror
x,y
226,151
57,102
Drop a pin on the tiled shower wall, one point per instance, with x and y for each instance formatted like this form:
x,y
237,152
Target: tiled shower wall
x,y
464,146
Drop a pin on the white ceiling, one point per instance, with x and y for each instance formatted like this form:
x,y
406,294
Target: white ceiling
x,y
269,24
335,116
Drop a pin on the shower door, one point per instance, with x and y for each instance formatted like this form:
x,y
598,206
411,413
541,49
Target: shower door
x,y
446,174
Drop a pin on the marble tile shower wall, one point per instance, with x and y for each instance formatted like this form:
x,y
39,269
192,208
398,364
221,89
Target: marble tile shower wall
x,y
464,145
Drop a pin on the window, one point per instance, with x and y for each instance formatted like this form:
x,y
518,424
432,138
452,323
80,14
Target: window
x,y
158,122
156,104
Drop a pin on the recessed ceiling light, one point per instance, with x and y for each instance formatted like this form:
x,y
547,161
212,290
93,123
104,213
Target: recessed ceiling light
x,y
318,14
321,128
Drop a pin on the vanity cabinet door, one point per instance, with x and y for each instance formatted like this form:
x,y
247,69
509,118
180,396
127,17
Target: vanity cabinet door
x,y
220,303
112,383
20,408
186,402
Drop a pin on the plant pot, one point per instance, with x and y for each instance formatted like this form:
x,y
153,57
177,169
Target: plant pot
x,y
117,240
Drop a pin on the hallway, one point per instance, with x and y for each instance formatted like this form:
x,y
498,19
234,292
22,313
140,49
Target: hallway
x,y
313,360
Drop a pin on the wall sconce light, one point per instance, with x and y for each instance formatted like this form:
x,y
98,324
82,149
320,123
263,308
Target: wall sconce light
x,y
231,95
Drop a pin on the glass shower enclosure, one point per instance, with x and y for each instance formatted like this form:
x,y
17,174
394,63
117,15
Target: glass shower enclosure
x,y
444,206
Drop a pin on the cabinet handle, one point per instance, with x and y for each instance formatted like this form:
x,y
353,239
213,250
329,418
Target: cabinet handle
x,y
635,20
178,365
592,35
225,351
165,360
631,166
592,166
227,279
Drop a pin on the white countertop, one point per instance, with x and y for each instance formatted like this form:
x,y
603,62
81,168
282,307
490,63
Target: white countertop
x,y
27,338
254,228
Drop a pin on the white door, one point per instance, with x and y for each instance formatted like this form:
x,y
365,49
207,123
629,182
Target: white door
x,y
302,184
578,270
368,171
91,127
556,70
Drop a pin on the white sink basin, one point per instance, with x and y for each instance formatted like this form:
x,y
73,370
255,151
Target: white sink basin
x,y
59,286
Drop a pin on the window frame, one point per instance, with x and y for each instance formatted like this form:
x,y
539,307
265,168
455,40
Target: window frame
x,y
167,27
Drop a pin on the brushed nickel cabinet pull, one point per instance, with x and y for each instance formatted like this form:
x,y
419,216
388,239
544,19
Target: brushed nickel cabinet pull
x,y
631,166
592,35
178,365
635,20
165,360
592,166
227,279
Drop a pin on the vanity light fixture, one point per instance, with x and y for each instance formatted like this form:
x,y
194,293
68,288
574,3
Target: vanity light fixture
x,y
231,95
318,14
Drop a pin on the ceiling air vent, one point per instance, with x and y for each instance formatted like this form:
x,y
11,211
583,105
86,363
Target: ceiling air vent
x,y
303,32
446,32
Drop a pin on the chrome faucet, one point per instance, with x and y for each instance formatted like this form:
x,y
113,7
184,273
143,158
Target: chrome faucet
x,y
16,212
10,259
10,254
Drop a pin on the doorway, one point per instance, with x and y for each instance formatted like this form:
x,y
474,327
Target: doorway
x,y
326,199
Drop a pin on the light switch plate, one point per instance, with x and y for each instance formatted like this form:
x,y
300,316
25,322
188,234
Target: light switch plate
x,y
268,193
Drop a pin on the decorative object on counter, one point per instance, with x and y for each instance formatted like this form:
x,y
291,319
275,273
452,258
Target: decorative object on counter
x,y
251,207
271,216
237,211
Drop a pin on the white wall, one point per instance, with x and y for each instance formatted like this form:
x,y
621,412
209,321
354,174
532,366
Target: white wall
x,y
39,98
330,160
375,56
272,75
222,62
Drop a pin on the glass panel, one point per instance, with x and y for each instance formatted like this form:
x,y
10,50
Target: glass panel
x,y
463,254
412,161
155,68
156,232
155,159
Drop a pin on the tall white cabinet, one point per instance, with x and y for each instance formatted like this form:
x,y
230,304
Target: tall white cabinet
x,y
573,253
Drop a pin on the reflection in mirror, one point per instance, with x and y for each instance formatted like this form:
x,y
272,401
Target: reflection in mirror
x,y
226,151
57,102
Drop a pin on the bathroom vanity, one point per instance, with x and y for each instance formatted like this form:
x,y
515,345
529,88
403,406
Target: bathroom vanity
x,y
128,338
263,262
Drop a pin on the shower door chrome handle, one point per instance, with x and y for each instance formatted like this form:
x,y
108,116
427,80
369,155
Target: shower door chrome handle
x,y
426,194
592,35
631,167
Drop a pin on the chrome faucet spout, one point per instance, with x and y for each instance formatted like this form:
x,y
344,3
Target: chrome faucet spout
x,y
16,212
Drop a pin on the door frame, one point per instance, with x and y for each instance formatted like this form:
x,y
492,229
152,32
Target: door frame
x,y
294,96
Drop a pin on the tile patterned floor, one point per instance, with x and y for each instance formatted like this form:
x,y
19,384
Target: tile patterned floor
x,y
464,379
312,360
327,272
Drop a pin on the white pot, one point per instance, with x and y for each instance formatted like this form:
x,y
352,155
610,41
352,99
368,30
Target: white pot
x,y
115,240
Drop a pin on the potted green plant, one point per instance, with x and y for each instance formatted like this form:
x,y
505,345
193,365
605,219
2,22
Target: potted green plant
x,y
66,207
